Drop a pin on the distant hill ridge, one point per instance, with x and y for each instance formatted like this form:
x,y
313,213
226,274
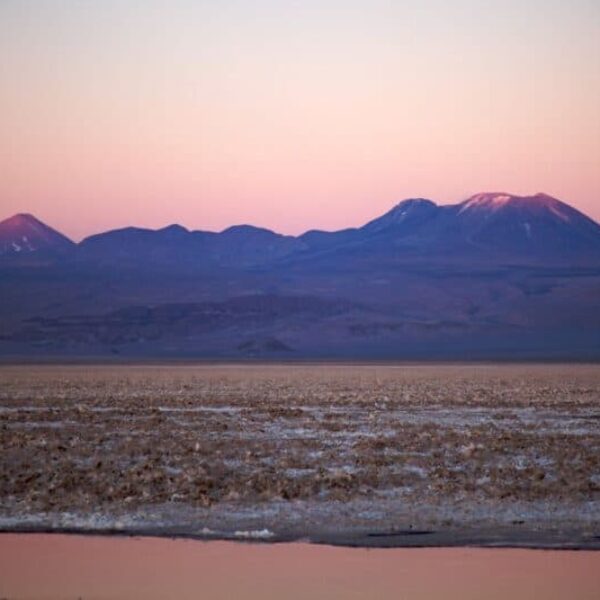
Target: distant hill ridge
x,y
491,224
497,276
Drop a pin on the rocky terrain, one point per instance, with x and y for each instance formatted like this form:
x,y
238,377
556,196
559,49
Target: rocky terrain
x,y
358,454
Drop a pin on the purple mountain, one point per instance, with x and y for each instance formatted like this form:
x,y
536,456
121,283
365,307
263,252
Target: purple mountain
x,y
495,224
494,276
23,234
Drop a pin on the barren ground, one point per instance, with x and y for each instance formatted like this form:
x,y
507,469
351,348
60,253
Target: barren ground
x,y
359,454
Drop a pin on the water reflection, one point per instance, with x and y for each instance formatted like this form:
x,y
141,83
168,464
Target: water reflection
x,y
63,566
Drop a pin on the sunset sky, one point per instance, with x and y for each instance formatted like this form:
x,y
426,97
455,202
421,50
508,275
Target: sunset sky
x,y
291,114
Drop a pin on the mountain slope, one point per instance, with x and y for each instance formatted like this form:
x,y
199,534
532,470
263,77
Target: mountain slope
x,y
487,227
24,234
405,218
240,246
538,224
495,221
491,227
496,275
151,248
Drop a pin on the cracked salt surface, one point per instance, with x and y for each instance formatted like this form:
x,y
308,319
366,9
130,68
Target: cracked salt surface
x,y
201,409
301,448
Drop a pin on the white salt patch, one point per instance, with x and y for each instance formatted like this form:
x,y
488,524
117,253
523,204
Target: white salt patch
x,y
208,531
420,471
296,473
256,534
197,409
16,409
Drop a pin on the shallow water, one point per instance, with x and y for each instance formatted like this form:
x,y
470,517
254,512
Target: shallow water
x,y
67,566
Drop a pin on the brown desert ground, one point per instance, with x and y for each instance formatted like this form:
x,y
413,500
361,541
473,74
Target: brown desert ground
x,y
375,455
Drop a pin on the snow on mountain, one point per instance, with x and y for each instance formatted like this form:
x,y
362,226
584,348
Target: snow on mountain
x,y
486,225
23,234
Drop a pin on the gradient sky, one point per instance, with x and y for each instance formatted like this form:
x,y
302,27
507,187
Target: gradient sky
x,y
291,114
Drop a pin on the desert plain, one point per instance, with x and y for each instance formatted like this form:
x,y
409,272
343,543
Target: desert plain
x,y
351,454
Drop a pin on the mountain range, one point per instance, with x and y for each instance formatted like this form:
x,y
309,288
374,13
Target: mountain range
x,y
496,276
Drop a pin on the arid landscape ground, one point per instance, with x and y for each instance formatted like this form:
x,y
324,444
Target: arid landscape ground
x,y
353,454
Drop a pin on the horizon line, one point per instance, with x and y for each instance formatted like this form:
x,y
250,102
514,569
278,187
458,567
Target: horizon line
x,y
537,195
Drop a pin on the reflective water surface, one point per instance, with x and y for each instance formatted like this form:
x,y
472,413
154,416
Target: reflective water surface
x,y
66,566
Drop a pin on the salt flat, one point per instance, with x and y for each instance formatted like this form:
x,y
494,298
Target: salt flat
x,y
350,454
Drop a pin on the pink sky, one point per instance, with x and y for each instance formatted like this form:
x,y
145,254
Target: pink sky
x,y
291,115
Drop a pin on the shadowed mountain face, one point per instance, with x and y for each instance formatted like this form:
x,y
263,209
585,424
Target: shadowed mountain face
x,y
536,224
24,234
496,226
496,276
241,245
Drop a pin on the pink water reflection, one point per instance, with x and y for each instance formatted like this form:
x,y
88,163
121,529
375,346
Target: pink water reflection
x,y
62,566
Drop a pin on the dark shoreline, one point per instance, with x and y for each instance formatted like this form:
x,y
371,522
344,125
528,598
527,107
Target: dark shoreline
x,y
490,538
199,361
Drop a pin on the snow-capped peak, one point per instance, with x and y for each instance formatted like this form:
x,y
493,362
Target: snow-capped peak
x,y
24,233
492,201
